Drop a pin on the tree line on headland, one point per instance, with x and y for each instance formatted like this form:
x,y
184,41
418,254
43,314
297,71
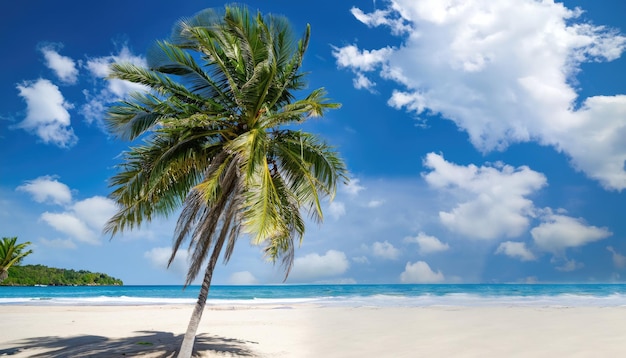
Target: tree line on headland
x,y
30,275
12,274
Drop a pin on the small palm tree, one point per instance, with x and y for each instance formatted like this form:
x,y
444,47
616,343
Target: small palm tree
x,y
11,254
220,141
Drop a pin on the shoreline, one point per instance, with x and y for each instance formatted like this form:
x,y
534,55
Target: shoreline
x,y
308,330
383,295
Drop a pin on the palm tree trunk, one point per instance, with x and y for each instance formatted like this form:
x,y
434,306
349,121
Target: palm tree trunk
x,y
186,348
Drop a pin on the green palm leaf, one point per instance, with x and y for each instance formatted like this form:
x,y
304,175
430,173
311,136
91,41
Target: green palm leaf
x,y
11,254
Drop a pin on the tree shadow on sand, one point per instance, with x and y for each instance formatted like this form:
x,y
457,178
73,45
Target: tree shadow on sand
x,y
147,343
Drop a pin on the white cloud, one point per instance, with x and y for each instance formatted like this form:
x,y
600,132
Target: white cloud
x,y
619,260
420,272
381,17
95,211
353,188
516,250
242,278
494,201
100,67
385,250
113,89
70,225
504,72
82,221
360,60
337,209
63,66
595,143
159,256
47,189
315,266
46,113
362,82
559,232
427,244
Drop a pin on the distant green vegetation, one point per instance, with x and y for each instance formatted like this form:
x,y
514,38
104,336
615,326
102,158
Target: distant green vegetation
x,y
30,275
11,254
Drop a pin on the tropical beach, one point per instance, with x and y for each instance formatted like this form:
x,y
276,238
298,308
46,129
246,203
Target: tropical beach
x,y
406,178
439,320
305,330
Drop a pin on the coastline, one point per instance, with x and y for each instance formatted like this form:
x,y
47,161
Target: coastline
x,y
309,330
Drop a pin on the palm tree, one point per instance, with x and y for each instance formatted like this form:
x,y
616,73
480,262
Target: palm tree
x,y
220,141
11,254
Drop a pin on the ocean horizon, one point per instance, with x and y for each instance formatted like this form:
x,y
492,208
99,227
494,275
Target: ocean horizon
x,y
349,295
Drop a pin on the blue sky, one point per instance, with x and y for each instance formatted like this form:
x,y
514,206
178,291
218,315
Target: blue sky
x,y
485,139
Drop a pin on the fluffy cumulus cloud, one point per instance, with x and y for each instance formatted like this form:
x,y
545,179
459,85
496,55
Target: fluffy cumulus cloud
x,y
99,67
84,220
362,82
242,278
80,221
420,272
503,71
596,143
516,250
95,211
427,243
47,113
493,199
558,232
47,189
110,90
63,66
313,267
385,250
382,17
70,225
360,60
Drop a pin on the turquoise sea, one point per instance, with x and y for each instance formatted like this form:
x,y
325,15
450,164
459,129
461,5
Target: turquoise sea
x,y
559,295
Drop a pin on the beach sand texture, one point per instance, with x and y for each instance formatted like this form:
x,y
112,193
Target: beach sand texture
x,y
312,331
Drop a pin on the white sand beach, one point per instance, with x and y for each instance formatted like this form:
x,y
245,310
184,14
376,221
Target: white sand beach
x,y
311,331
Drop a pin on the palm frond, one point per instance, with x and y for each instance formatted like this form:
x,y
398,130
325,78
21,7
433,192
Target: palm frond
x,y
261,215
281,244
172,60
251,145
303,154
10,253
146,185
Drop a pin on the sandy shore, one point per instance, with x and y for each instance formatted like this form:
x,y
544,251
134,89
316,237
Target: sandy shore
x,y
309,331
